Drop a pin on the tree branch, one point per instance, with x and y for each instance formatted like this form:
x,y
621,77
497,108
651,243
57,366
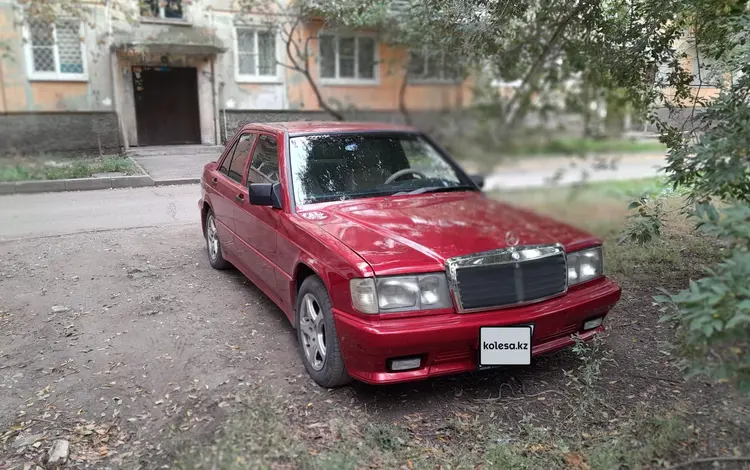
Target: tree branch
x,y
513,105
402,95
305,70
697,91
290,41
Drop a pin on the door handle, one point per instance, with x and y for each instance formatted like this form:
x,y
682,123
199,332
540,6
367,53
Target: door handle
x,y
240,198
214,180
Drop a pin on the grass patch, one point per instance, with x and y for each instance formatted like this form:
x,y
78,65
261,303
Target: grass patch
x,y
639,444
256,438
40,168
267,435
602,209
536,145
578,145
599,207
531,146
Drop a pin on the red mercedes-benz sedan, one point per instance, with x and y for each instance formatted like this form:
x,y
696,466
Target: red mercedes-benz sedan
x,y
388,259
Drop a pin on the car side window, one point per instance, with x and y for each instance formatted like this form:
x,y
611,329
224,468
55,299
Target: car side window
x,y
264,167
228,160
241,154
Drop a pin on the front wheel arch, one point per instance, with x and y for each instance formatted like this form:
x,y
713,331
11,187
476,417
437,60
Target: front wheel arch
x,y
302,271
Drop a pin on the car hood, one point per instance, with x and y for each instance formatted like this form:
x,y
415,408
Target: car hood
x,y
411,234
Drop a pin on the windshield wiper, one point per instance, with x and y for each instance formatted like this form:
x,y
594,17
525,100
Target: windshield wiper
x,y
436,189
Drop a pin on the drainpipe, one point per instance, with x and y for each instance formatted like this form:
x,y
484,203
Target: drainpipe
x,y
4,107
113,70
214,86
223,111
112,80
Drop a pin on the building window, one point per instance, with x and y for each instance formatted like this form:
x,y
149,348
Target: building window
x,y
55,51
433,67
347,57
706,72
256,54
169,9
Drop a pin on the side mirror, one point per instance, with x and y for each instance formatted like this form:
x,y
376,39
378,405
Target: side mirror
x,y
478,180
265,194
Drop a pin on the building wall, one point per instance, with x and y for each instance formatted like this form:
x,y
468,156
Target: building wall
x,y
55,132
53,116
268,94
81,106
27,95
382,96
703,89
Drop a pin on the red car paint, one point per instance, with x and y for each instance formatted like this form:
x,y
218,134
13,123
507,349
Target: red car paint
x,y
381,236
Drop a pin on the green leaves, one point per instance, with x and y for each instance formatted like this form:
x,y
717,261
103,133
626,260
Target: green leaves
x,y
713,313
709,157
645,225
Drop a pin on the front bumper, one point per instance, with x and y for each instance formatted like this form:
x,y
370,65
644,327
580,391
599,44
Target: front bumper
x,y
449,343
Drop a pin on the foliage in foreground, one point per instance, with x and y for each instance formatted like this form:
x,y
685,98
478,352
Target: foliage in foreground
x,y
712,162
713,314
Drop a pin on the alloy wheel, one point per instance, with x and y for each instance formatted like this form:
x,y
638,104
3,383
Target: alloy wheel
x,y
313,331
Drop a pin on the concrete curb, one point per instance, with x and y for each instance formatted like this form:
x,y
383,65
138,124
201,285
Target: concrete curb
x,y
137,165
176,181
89,184
77,184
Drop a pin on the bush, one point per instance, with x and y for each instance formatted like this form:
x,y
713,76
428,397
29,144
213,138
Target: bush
x,y
645,225
713,314
712,162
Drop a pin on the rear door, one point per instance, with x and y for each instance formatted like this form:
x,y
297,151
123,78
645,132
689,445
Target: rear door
x,y
256,225
227,182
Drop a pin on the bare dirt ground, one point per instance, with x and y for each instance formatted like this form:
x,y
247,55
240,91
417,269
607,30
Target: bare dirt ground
x,y
130,347
117,332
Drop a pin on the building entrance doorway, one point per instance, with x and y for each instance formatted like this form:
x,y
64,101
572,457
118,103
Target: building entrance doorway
x,y
166,105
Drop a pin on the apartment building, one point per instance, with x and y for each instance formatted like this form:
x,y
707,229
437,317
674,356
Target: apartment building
x,y
182,72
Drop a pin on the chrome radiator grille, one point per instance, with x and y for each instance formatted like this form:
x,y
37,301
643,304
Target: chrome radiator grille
x,y
507,277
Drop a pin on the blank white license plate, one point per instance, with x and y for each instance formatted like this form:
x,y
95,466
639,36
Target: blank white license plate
x,y
505,345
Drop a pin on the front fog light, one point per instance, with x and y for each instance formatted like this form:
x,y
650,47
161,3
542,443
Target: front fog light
x,y
405,363
594,323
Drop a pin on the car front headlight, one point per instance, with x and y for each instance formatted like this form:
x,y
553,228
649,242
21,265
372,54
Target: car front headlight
x,y
400,293
585,265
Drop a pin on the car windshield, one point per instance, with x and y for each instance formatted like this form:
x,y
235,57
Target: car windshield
x,y
349,166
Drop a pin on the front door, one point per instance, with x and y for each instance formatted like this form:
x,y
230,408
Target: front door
x,y
256,225
166,105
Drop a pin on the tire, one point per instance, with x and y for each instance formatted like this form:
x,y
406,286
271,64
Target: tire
x,y
324,364
213,245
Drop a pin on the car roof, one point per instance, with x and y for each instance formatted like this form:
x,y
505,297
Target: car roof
x,y
328,127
